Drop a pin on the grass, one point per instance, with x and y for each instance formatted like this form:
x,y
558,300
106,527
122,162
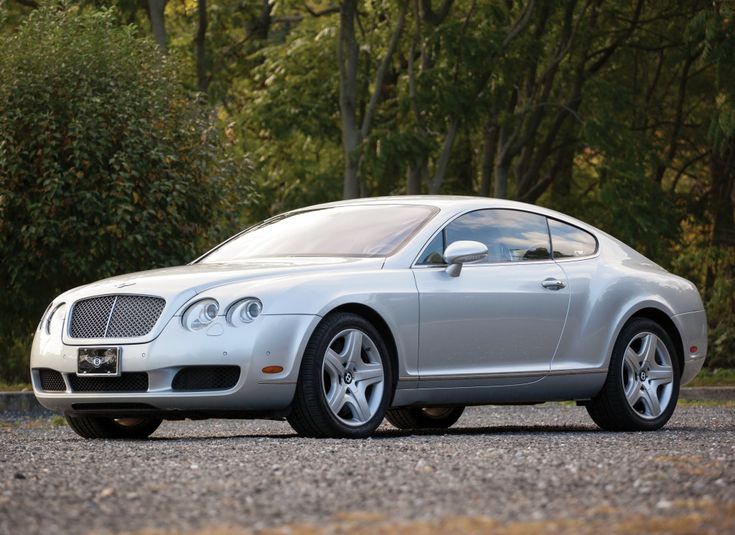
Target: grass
x,y
57,420
15,387
717,377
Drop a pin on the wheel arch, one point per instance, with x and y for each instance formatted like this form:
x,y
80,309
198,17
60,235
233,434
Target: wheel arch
x,y
667,324
371,315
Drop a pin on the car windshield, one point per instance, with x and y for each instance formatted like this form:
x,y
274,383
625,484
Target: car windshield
x,y
358,230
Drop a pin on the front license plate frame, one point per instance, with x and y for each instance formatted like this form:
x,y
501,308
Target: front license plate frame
x,y
98,361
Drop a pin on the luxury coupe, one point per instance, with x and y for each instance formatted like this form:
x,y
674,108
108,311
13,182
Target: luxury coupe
x,y
337,316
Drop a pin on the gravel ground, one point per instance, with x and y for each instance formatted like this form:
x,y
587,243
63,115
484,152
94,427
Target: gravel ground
x,y
501,466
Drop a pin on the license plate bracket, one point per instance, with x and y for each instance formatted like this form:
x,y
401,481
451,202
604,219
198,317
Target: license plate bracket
x,y
98,361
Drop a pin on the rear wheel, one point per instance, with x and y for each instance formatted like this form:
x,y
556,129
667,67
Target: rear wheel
x,y
345,382
117,428
424,417
642,385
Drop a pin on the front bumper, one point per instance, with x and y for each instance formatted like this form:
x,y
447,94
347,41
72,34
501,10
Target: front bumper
x,y
277,340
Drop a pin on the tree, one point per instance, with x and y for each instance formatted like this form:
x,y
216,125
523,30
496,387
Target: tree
x,y
156,14
354,128
107,165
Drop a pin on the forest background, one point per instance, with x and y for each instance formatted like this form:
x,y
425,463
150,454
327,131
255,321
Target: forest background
x,y
138,133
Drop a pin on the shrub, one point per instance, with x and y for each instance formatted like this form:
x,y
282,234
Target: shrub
x,y
107,164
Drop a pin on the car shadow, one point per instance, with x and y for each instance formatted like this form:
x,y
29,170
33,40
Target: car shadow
x,y
382,434
489,431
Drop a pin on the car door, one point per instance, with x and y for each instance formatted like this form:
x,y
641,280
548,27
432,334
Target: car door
x,y
500,320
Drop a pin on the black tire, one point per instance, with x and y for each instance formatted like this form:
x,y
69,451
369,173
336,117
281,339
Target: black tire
x,y
610,408
424,418
103,427
310,415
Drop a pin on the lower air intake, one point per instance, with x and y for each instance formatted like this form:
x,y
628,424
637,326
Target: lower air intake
x,y
51,380
126,382
206,378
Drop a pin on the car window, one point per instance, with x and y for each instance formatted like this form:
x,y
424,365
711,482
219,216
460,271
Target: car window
x,y
434,252
510,236
569,241
358,230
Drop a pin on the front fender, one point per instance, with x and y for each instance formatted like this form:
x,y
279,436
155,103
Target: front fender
x,y
390,293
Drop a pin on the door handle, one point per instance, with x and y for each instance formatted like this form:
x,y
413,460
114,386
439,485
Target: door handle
x,y
553,284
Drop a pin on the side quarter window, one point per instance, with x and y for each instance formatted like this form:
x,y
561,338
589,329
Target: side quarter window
x,y
433,254
571,242
510,235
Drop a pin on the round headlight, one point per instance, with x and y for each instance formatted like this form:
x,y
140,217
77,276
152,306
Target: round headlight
x,y
200,315
56,318
244,311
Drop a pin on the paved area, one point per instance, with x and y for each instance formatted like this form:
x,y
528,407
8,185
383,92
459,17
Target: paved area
x,y
501,469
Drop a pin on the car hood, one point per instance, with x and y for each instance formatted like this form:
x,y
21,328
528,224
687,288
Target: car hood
x,y
187,281
178,285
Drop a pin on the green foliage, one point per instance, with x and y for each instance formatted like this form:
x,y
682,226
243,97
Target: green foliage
x,y
107,165
289,123
698,262
716,377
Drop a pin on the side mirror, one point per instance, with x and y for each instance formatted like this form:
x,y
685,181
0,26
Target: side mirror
x,y
463,252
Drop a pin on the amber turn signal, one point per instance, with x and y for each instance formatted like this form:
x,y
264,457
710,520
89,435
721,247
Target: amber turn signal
x,y
272,369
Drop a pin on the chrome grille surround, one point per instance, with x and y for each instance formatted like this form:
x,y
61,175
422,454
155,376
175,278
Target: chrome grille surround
x,y
115,316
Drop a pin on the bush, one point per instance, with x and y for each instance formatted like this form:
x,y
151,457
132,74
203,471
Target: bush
x,y
712,269
107,165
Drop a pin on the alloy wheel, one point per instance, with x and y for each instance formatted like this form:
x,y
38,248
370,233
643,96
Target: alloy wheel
x,y
353,377
648,375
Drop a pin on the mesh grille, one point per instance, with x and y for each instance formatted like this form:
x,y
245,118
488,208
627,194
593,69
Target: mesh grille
x,y
127,382
115,316
89,317
51,380
206,378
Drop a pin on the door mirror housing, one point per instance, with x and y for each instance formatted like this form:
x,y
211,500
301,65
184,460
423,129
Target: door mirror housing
x,y
463,252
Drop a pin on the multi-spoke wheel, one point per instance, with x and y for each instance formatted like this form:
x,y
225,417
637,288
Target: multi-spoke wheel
x,y
120,428
345,381
642,385
424,417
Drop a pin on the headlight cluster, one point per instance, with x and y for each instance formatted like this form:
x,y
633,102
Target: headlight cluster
x,y
244,311
201,314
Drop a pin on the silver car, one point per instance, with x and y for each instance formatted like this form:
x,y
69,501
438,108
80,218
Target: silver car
x,y
407,308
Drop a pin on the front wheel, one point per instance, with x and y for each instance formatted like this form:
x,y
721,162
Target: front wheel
x,y
642,385
345,382
118,428
424,417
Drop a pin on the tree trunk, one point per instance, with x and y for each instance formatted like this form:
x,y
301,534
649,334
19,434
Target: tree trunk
x,y
722,173
415,176
201,50
158,23
441,166
259,27
353,133
490,140
501,180
347,54
722,169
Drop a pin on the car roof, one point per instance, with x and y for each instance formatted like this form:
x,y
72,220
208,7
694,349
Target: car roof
x,y
458,204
